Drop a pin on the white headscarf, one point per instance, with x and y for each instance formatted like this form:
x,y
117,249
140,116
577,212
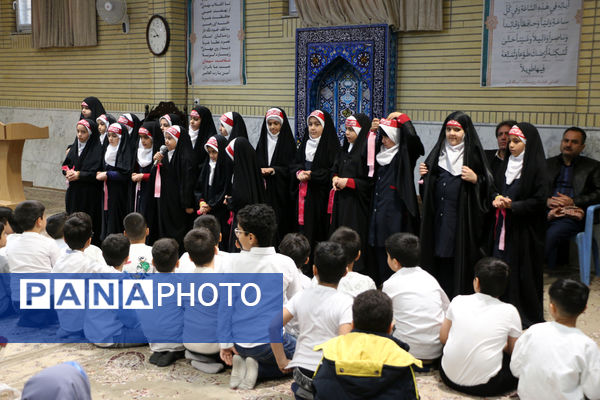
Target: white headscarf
x,y
193,135
110,157
212,164
271,143
144,156
311,148
80,147
514,168
451,158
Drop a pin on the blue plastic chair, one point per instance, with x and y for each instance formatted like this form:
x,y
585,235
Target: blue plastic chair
x,y
586,243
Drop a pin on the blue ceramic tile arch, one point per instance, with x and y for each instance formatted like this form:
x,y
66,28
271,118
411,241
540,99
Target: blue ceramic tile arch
x,y
332,58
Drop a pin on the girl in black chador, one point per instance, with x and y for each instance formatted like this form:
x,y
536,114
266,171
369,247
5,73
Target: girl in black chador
x,y
149,142
520,224
83,161
232,126
201,128
311,173
275,154
456,187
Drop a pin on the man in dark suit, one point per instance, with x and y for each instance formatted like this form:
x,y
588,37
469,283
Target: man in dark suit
x,y
496,157
575,183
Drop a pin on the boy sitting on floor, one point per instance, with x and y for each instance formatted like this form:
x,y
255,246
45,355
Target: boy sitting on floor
x,y
368,360
555,360
140,254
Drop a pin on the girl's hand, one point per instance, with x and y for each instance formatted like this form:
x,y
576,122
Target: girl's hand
x,y
423,169
267,171
189,210
468,175
137,177
158,156
341,183
73,175
101,176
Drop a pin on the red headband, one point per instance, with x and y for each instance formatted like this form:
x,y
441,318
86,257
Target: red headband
x,y
84,123
317,114
229,150
274,112
212,142
455,123
516,131
226,120
84,104
173,131
353,122
194,113
144,131
166,116
392,123
115,128
125,121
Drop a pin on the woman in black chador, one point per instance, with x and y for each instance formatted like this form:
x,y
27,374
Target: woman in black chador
x,y
352,185
91,108
201,128
116,175
275,153
83,161
149,142
395,206
172,204
214,183
456,187
247,185
520,223
312,173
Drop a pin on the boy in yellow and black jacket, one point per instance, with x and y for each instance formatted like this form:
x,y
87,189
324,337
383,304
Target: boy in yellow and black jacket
x,y
367,363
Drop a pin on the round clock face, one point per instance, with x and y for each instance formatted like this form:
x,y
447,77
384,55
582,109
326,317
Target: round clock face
x,y
157,35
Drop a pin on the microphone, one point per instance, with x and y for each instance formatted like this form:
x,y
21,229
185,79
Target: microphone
x,y
163,150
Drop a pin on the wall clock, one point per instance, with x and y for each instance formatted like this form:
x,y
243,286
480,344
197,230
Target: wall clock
x,y
158,35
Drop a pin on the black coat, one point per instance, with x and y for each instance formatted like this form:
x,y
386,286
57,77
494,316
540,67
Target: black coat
x,y
316,219
470,242
586,178
278,194
85,194
525,230
206,130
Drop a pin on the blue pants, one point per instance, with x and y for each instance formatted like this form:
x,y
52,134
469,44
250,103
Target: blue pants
x,y
267,365
558,231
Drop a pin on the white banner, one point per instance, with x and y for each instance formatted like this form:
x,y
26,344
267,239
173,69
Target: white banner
x,y
531,42
216,37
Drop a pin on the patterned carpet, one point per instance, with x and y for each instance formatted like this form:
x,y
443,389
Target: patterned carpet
x,y
127,374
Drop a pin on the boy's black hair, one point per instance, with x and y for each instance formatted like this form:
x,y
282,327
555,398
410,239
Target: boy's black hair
x,y
1,228
27,213
577,129
405,248
349,240
55,225
135,226
7,215
493,276
258,219
569,296
200,245
372,311
115,249
165,253
297,247
77,231
209,222
330,260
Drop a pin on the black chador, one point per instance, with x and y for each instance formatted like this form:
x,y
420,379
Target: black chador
x,y
452,226
171,204
275,154
519,230
395,207
214,183
85,192
314,157
233,126
94,105
133,124
352,185
247,185
205,130
118,162
149,132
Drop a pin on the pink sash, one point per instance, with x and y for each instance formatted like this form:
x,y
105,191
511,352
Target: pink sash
x,y
503,229
330,204
301,197
371,152
157,182
105,196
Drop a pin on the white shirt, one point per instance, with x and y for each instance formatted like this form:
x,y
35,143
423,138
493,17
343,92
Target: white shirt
x,y
320,312
140,254
265,260
293,327
75,262
420,306
554,361
187,266
94,253
31,252
481,325
353,284
60,243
